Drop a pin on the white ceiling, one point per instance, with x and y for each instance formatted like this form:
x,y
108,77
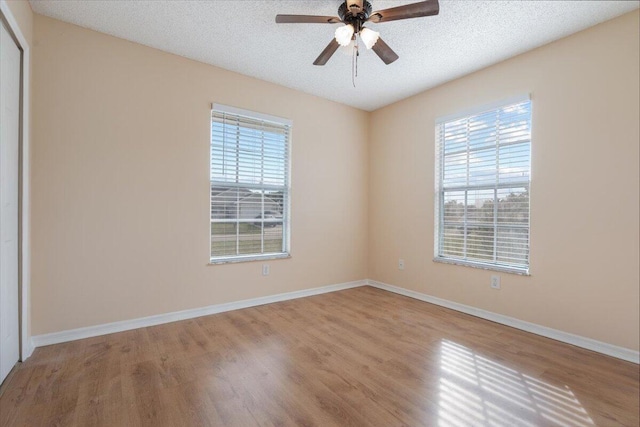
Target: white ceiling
x,y
242,36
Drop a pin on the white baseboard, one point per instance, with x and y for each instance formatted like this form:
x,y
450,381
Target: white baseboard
x,y
126,325
577,340
27,350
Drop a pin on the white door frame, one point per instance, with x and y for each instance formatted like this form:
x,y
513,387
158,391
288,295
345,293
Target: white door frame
x,y
26,346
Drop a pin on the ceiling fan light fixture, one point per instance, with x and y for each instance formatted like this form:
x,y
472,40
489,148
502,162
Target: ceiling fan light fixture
x,y
344,34
369,37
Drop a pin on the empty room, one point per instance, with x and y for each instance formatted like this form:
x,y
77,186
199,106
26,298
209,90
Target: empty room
x,y
319,213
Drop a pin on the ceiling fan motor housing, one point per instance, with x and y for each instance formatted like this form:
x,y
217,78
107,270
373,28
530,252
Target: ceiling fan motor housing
x,y
355,12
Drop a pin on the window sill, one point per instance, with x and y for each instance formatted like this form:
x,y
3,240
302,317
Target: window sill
x,y
483,266
248,258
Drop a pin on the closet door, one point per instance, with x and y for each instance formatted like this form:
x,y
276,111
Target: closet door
x,y
9,143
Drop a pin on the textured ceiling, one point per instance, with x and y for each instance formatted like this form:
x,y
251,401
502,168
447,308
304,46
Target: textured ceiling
x,y
242,36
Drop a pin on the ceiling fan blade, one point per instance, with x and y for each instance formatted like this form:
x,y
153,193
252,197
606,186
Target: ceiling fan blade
x,y
414,10
327,53
384,52
307,19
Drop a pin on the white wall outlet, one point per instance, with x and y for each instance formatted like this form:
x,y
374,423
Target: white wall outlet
x,y
265,269
400,264
495,282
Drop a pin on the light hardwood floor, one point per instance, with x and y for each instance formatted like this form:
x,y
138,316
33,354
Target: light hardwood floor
x,y
350,358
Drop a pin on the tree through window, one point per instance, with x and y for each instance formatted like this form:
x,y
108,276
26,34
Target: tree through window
x,y
483,164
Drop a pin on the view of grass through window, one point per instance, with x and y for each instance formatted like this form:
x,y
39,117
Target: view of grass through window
x,y
249,232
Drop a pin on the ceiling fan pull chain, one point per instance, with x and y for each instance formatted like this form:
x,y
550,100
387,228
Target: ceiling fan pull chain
x,y
353,61
357,55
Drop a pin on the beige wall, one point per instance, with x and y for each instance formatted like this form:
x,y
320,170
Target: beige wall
x,y
121,192
584,192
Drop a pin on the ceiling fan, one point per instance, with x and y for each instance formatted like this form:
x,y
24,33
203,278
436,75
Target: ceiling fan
x,y
354,14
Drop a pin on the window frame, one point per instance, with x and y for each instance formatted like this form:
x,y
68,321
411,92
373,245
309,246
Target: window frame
x,y
286,188
495,185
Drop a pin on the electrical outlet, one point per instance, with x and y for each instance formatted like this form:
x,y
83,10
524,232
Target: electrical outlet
x,y
495,282
265,269
400,264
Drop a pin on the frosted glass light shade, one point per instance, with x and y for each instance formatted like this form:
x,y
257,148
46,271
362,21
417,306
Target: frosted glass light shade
x,y
369,37
344,34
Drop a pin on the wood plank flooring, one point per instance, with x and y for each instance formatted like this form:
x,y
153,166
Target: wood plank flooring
x,y
351,358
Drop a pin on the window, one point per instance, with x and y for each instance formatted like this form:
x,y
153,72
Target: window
x,y
249,185
483,164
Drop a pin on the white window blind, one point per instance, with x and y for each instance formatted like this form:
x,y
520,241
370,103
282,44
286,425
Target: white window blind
x,y
249,185
483,164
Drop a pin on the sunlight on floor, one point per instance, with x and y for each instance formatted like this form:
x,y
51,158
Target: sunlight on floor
x,y
475,391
